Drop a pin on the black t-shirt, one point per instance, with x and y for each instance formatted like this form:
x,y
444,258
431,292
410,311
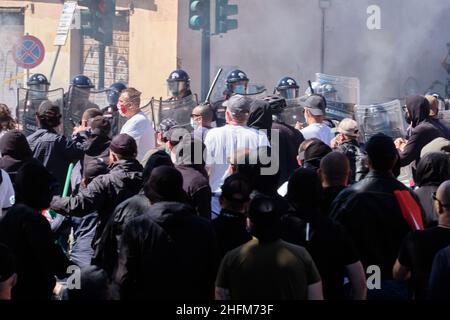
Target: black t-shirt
x,y
330,247
417,253
230,231
329,194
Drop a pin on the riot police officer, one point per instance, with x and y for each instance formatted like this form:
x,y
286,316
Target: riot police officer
x,y
37,93
179,84
287,87
111,111
77,101
38,82
237,81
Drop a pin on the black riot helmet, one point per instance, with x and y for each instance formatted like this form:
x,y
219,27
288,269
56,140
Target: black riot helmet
x,y
178,82
114,92
237,81
38,85
287,87
81,81
37,79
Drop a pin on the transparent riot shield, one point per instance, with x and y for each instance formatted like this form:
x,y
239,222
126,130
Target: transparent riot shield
x,y
79,100
293,112
148,110
179,110
28,102
256,91
341,93
384,117
444,116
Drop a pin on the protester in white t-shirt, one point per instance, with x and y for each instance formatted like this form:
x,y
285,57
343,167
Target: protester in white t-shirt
x,y
222,143
314,110
6,192
138,125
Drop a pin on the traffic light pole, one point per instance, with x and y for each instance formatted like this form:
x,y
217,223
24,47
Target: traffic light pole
x,y
101,65
206,61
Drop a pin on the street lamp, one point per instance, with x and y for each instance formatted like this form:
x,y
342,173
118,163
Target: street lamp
x,y
323,5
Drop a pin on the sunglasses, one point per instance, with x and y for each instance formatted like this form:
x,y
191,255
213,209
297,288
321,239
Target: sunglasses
x,y
195,115
433,195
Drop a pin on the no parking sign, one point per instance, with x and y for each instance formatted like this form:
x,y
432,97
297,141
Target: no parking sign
x,y
28,52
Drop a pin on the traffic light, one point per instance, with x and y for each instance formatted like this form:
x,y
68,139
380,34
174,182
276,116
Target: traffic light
x,y
97,21
199,14
223,11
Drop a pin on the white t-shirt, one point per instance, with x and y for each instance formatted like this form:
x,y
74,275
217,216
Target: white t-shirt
x,y
222,143
318,130
141,129
6,192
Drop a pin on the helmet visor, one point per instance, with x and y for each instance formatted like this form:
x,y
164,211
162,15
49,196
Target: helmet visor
x,y
176,87
113,97
290,93
240,87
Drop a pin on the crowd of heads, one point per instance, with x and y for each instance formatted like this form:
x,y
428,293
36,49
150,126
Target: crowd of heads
x,y
245,189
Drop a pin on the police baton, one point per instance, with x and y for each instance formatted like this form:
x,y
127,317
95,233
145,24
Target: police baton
x,y
310,87
213,84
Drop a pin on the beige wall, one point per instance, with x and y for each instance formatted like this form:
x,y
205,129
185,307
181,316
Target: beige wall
x,y
42,23
153,44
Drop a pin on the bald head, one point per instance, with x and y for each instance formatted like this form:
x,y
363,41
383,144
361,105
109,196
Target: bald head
x,y
443,195
203,115
334,170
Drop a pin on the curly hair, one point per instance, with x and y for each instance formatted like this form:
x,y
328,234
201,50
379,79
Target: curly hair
x,y
6,120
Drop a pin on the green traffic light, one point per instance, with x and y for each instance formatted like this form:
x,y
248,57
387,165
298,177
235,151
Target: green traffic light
x,y
196,21
196,6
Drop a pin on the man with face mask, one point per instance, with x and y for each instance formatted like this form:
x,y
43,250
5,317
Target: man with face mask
x,y
178,84
237,82
287,87
201,119
138,125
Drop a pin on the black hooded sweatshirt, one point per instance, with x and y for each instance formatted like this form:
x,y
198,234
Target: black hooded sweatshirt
x,y
56,152
179,251
15,152
289,138
195,177
432,170
260,116
103,194
424,129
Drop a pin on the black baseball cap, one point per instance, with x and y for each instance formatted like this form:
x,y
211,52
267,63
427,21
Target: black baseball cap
x,y
124,145
316,150
316,104
235,188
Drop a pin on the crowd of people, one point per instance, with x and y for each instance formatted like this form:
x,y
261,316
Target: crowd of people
x,y
253,209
